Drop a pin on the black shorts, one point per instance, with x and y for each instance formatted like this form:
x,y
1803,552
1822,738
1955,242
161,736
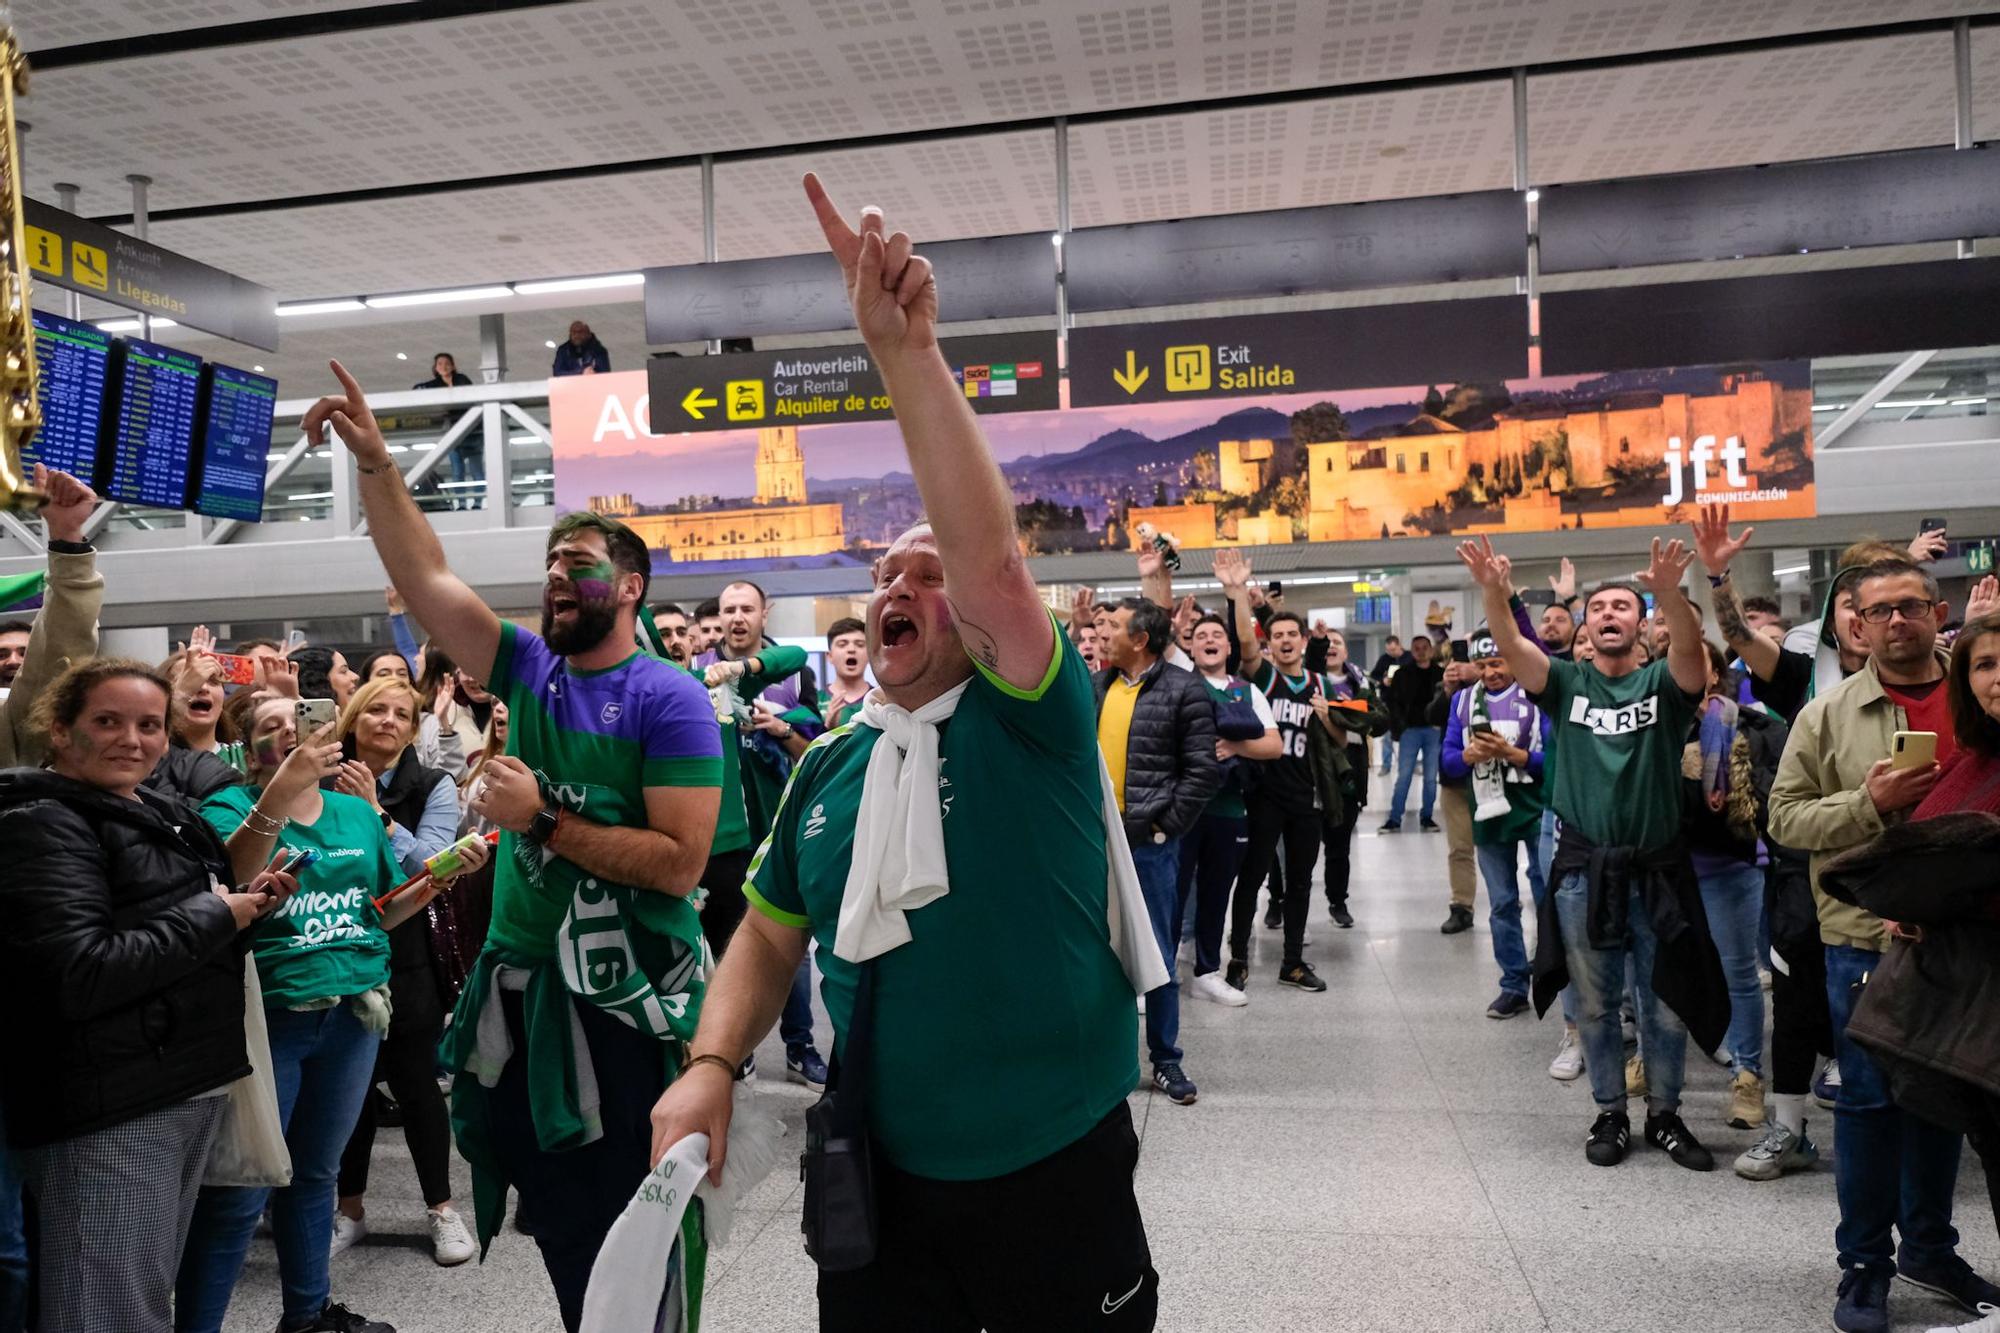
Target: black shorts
x,y
1055,1246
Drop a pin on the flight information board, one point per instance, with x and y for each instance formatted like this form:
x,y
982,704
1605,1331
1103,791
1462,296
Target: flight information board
x,y
153,441
237,409
75,364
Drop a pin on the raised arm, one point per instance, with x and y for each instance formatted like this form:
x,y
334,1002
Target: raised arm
x,y
1715,546
1000,615
1686,658
1232,570
1494,573
463,625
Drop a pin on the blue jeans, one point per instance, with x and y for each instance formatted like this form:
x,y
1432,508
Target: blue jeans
x,y
1210,855
1416,743
1734,902
1892,1169
468,463
795,1024
323,1063
1547,849
13,1243
1158,864
1497,866
1388,753
1598,978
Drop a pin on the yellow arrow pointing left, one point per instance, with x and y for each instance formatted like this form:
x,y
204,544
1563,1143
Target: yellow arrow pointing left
x,y
695,401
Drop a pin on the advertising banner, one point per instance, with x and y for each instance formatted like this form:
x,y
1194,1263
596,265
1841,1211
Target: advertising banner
x,y
1636,448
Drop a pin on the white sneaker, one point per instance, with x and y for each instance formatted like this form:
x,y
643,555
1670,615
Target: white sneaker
x,y
1210,986
451,1241
347,1232
1990,1324
1568,1064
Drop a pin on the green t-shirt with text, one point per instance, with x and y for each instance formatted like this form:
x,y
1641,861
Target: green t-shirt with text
x,y
1620,738
326,940
1005,1028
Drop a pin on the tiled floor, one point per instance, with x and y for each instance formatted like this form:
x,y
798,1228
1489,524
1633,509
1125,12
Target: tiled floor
x,y
1380,1157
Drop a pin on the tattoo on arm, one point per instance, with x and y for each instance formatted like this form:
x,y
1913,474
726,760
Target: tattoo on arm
x,y
1729,616
985,649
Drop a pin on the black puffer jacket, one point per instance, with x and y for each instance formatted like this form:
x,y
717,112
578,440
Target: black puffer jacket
x,y
120,969
191,775
1170,764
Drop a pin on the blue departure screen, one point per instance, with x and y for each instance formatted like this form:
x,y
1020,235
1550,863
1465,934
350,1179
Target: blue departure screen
x,y
75,360
154,439
235,441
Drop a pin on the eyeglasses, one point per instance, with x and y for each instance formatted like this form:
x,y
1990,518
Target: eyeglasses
x,y
1910,609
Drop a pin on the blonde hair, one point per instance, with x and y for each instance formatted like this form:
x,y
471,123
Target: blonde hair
x,y
365,697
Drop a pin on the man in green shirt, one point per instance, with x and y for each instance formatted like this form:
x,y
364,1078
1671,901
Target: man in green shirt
x,y
1620,729
847,653
608,797
957,855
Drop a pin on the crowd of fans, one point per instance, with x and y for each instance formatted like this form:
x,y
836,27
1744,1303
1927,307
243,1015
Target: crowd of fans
x,y
229,892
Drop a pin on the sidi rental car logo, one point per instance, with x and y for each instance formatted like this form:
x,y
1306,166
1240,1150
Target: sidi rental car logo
x,y
1701,455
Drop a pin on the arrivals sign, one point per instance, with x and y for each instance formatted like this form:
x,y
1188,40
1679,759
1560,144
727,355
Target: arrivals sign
x,y
813,386
1359,347
65,250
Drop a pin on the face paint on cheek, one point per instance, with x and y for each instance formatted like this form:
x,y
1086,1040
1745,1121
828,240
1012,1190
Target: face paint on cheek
x,y
267,752
593,582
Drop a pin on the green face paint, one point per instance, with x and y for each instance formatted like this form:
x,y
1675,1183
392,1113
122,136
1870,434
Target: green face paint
x,y
594,582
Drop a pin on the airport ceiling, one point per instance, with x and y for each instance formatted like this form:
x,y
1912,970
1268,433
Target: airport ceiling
x,y
260,121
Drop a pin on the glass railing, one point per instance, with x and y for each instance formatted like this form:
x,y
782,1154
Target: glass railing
x,y
1955,382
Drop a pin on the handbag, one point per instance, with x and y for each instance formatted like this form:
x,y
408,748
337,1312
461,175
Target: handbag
x,y
837,1168
249,1147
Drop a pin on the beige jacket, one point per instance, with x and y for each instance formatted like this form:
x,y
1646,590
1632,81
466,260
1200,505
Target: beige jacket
x,y
1819,800
65,632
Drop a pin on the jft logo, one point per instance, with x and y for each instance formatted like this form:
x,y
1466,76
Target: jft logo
x,y
816,822
1701,455
1614,721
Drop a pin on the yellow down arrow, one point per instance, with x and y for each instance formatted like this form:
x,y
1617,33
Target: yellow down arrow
x,y
695,401
1134,376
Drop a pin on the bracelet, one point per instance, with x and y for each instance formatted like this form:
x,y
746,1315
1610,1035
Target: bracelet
x,y
711,1058
378,468
271,828
1717,580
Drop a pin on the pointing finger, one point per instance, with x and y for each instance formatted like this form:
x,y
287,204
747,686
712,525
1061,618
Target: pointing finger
x,y
357,400
840,237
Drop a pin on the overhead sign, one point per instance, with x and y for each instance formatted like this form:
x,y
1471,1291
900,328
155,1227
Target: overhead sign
x,y
1007,372
1930,194
65,250
1354,348
1339,247
998,277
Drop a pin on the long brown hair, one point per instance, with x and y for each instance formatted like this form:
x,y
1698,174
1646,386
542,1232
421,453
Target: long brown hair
x,y
1974,728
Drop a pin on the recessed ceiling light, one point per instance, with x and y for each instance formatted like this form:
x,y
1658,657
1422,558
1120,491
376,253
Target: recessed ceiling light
x,y
258,369
1392,150
579,284
438,297
320,307
1534,196
549,343
402,356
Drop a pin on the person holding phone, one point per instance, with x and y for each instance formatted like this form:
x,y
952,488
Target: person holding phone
x,y
1837,787
121,943
324,967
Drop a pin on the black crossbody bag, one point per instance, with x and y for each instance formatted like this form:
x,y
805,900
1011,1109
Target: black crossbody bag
x,y
839,1222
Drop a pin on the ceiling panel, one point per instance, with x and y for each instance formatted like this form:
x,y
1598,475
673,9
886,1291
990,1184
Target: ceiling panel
x,y
44,25
1769,106
627,80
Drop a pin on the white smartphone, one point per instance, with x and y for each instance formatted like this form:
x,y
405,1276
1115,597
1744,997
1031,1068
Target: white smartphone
x,y
1912,749
313,714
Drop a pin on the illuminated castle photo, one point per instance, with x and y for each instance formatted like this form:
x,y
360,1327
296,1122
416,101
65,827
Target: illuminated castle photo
x,y
776,521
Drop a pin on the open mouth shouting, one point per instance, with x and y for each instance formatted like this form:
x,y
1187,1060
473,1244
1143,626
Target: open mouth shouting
x,y
898,630
201,708
561,601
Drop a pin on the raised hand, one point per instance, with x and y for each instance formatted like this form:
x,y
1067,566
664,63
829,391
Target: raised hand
x,y
393,599
1669,566
1712,540
1083,608
1232,569
279,678
892,288
1150,561
314,758
1929,546
356,779
1983,600
352,421
1563,585
724,673
1489,569
71,503
1185,614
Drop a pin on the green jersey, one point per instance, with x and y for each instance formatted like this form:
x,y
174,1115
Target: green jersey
x,y
596,740
848,711
1620,739
732,824
1009,981
326,940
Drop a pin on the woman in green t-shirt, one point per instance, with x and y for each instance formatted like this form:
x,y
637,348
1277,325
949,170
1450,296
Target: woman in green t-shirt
x,y
323,962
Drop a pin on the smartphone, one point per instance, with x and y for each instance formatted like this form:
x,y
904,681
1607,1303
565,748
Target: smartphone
x,y
1459,650
298,861
294,641
1481,729
1274,588
237,670
1912,749
313,714
1935,523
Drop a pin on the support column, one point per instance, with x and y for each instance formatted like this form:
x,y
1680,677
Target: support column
x,y
1961,61
710,251
1531,285
66,196
493,429
1062,229
492,348
139,184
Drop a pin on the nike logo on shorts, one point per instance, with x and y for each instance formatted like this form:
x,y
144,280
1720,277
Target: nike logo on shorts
x,y
1112,1307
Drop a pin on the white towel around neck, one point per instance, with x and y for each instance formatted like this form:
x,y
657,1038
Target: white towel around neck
x,y
898,863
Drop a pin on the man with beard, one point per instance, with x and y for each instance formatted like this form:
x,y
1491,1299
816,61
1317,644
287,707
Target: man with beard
x,y
781,725
707,632
672,623
1557,631
586,987
1624,886
1836,787
14,635
950,851
847,653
